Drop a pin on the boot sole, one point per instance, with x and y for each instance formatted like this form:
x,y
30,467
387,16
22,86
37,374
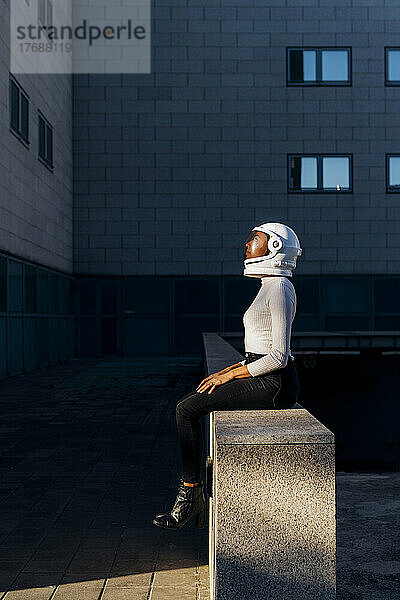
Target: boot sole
x,y
165,527
199,521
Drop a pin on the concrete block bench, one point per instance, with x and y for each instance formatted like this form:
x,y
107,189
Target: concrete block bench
x,y
272,505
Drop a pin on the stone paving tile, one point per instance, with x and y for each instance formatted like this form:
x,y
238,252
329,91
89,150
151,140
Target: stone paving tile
x,y
132,566
84,580
76,592
169,593
43,593
130,594
129,581
187,577
26,580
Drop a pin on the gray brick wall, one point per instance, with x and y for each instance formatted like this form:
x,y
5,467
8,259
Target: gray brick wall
x,y
173,168
36,206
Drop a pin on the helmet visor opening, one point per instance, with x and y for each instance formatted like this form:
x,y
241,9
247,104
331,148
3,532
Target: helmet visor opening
x,y
256,244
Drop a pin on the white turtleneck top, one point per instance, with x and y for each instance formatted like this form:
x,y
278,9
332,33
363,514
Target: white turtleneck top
x,y
268,324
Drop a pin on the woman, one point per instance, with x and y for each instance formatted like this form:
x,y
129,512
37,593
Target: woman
x,y
266,379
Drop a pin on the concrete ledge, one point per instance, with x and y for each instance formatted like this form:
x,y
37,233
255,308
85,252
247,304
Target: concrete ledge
x,y
218,353
272,505
273,523
257,427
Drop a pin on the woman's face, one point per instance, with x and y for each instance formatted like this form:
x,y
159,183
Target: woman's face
x,y
256,245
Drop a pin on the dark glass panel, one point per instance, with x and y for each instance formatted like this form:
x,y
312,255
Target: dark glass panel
x,y
296,65
88,345
14,286
193,342
199,296
14,101
239,294
24,117
295,172
42,138
146,296
307,294
43,340
49,146
109,298
387,294
54,294
14,343
305,323
87,290
30,289
345,295
30,344
3,347
3,284
71,285
146,335
64,296
346,323
71,330
109,335
42,11
66,336
49,13
43,291
54,340
387,323
234,324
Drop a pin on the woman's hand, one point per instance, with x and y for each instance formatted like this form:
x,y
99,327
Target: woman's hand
x,y
218,373
236,371
211,382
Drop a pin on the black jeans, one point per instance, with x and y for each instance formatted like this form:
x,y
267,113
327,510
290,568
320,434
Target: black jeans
x,y
275,390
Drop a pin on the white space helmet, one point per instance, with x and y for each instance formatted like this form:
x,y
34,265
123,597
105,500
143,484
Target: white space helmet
x,y
282,252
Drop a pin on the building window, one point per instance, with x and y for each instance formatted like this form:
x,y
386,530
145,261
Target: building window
x,y
19,111
393,172
45,13
392,66
318,66
45,141
319,173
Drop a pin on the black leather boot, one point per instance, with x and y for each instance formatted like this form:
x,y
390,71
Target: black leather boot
x,y
189,501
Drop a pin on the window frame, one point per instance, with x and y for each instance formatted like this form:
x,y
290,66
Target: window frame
x,y
46,4
319,82
319,157
21,94
390,190
387,81
46,24
47,126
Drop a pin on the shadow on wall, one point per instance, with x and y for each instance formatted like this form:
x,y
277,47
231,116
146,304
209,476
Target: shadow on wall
x,y
266,583
355,396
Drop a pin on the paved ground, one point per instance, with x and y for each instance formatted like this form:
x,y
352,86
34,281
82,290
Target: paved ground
x,y
88,454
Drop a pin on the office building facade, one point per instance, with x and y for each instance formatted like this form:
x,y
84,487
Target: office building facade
x,y
36,215
124,212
